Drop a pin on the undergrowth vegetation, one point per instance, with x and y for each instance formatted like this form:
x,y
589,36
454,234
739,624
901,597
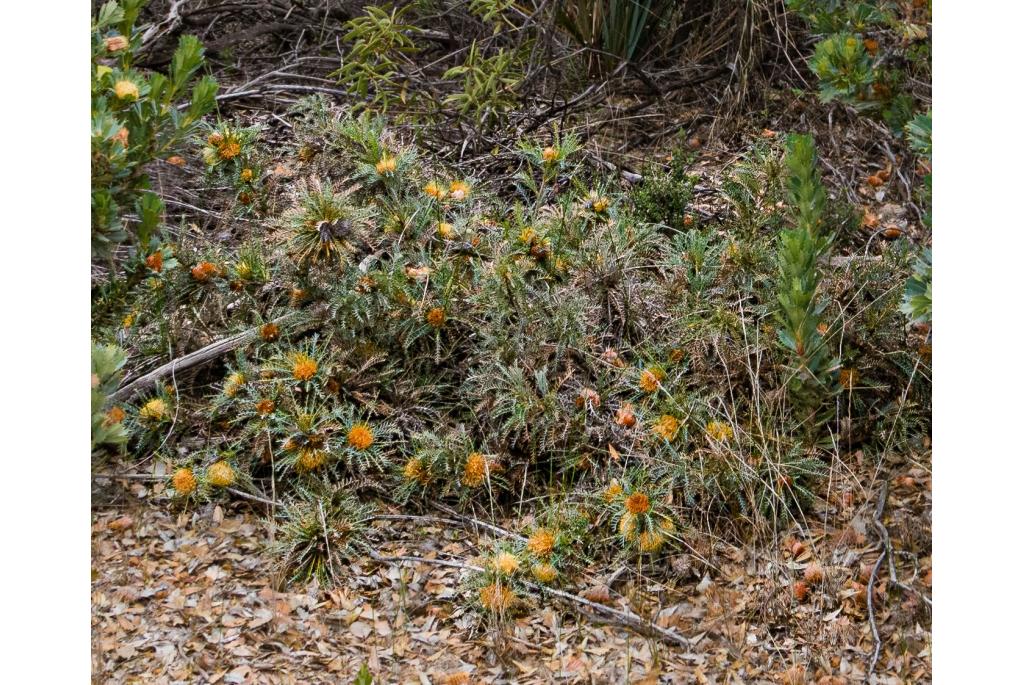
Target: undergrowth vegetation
x,y
415,334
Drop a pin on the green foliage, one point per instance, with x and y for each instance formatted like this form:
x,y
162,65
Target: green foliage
x,y
665,194
621,29
371,68
363,677
844,67
488,85
107,421
800,249
136,118
917,298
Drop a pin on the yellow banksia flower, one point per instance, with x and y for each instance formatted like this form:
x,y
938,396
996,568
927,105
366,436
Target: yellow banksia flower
x,y
310,459
414,471
718,430
184,481
650,541
599,204
666,427
541,543
627,525
360,436
527,235
154,410
613,490
436,317
115,43
386,165
549,154
544,573
506,563
126,90
496,597
446,230
246,175
304,367
651,378
475,471
638,503
459,190
848,378
220,474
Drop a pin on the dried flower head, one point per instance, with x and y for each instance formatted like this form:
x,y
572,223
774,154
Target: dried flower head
x,y
220,474
638,503
360,436
126,90
651,378
115,415
505,563
115,43
496,597
414,471
650,541
612,357
541,543
666,427
718,430
184,481
214,139
269,332
625,416
155,261
204,271
121,137
436,317
304,367
814,574
588,397
544,573
176,160
265,407
154,410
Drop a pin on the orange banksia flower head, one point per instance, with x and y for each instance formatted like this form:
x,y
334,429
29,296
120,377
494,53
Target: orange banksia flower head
x,y
541,543
613,490
154,410
544,573
638,503
220,474
115,415
155,261
265,407
269,332
126,90
506,563
667,427
848,378
115,43
651,378
717,430
121,137
446,230
184,481
496,597
435,190
204,271
176,160
246,175
625,416
475,471
459,190
549,154
229,149
436,317
360,436
304,367
311,459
